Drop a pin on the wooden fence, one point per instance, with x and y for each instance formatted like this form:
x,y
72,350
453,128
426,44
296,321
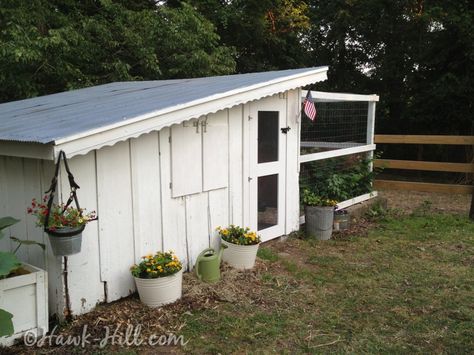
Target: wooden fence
x,y
424,165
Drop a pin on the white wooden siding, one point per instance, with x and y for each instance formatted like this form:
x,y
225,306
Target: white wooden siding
x,y
186,158
197,236
236,179
84,268
292,164
115,219
146,185
215,151
173,210
16,197
21,180
218,214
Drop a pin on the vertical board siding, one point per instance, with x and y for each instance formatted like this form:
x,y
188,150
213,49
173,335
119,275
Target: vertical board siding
x,y
16,202
292,165
4,211
172,209
218,202
197,234
54,263
32,188
235,193
186,159
215,151
246,165
84,268
115,219
146,184
20,181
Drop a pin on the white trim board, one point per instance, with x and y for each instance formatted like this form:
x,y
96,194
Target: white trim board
x,y
336,153
26,150
321,96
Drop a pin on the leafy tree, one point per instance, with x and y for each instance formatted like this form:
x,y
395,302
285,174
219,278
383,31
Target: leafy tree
x,y
52,46
266,34
417,55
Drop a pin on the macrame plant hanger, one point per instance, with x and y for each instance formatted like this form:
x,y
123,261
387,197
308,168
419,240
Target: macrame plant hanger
x,y
72,195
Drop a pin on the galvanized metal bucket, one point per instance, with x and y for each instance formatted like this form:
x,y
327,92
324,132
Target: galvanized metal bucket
x,y
319,221
66,241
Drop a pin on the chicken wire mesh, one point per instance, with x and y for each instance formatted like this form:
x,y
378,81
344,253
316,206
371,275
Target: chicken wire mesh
x,y
337,125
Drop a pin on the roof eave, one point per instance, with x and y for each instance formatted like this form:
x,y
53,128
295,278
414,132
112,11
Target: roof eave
x,y
85,142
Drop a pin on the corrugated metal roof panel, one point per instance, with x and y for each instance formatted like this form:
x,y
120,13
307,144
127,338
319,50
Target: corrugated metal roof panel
x,y
49,118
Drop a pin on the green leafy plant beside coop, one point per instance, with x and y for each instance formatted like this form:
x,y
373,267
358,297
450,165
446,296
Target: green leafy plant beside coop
x,y
310,198
10,266
331,179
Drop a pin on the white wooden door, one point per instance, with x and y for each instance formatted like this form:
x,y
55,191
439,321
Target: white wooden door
x,y
267,158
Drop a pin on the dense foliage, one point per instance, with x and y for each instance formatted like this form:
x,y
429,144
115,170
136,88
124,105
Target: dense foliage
x,y
330,179
48,46
417,55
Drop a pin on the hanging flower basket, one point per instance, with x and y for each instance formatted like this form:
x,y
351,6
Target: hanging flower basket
x,y
66,240
63,223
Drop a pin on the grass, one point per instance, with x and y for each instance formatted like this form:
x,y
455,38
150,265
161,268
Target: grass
x,y
405,287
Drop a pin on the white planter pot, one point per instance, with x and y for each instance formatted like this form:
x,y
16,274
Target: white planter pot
x,y
26,297
240,256
160,291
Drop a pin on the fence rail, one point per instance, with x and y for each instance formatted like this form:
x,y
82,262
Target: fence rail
x,y
424,165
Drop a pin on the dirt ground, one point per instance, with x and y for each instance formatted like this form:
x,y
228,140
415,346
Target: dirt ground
x,y
408,201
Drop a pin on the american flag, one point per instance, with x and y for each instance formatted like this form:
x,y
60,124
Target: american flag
x,y
308,106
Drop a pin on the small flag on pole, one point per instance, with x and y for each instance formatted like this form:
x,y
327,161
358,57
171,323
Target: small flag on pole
x,y
308,106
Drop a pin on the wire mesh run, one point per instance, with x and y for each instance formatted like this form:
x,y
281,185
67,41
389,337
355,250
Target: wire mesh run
x,y
337,125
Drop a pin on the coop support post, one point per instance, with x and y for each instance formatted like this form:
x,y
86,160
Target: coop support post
x,y
371,129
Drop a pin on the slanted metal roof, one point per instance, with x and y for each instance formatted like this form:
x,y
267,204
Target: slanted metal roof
x,y
58,118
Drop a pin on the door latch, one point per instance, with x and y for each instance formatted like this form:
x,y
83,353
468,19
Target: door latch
x,y
285,130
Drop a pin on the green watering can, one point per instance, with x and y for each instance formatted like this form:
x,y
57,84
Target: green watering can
x,y
208,265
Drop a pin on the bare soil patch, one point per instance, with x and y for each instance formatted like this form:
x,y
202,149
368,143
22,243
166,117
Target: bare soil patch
x,y
408,201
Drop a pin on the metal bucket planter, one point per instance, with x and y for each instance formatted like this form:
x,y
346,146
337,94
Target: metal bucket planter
x,y
319,221
66,240
160,291
341,220
240,256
